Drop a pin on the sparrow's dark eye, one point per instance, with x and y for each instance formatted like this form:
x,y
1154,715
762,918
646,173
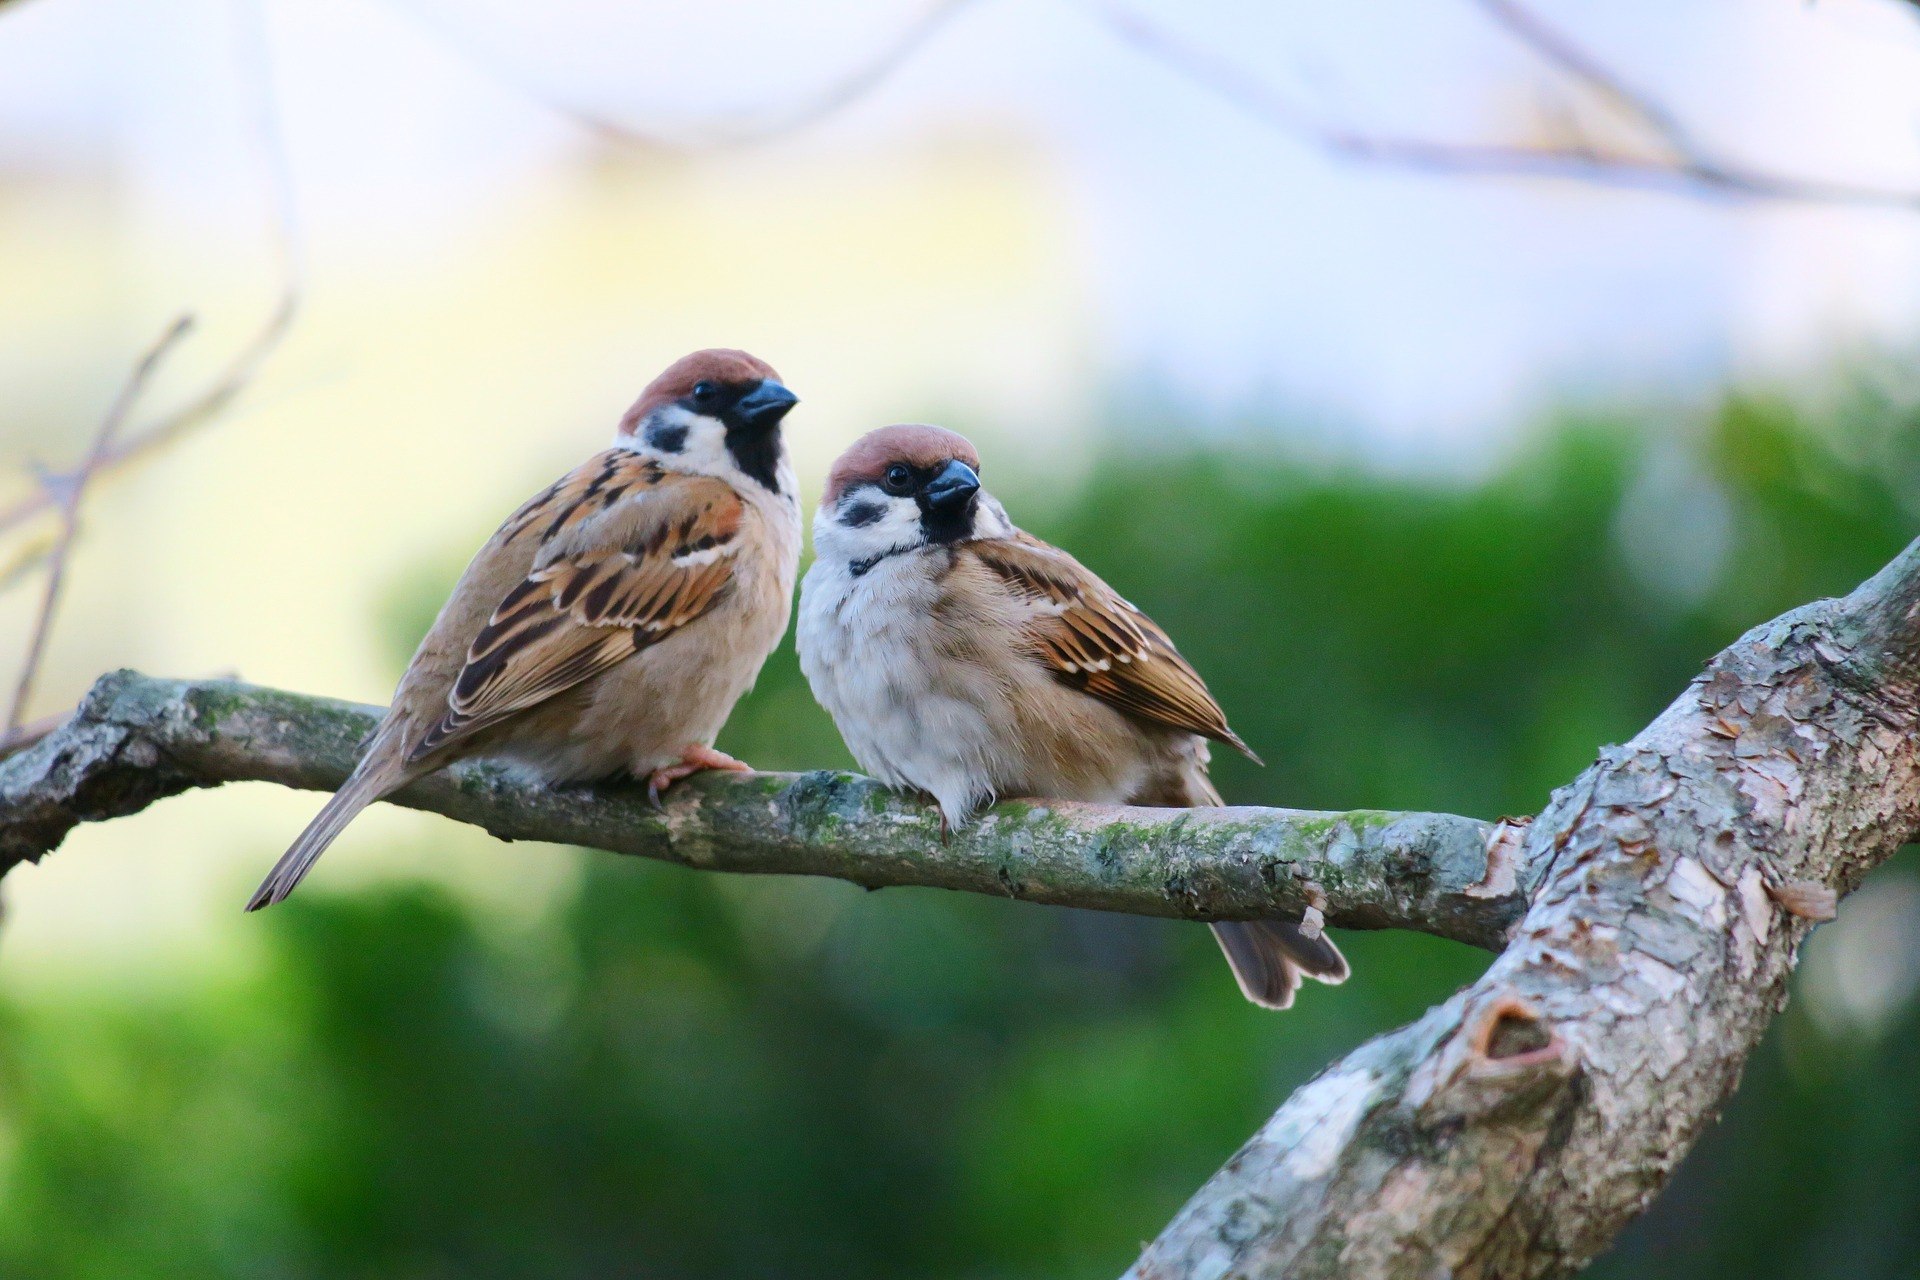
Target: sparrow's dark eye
x,y
899,479
705,392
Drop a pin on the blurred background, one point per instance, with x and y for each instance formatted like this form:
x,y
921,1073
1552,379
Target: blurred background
x,y
1444,470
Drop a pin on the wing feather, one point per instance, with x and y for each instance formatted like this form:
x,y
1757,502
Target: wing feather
x,y
628,554
1095,641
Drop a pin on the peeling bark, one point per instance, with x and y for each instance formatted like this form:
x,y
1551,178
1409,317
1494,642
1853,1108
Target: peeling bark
x,y
135,740
1516,1128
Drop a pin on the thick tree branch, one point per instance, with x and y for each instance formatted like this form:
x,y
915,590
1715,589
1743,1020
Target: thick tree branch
x,y
135,740
1513,1130
1509,1133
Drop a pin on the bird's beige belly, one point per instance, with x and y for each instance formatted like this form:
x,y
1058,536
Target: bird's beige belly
x,y
643,714
1072,749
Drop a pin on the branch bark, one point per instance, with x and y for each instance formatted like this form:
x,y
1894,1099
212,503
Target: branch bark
x,y
1514,1130
1655,908
135,740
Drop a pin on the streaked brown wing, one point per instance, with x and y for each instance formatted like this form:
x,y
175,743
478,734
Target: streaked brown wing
x,y
1099,643
628,554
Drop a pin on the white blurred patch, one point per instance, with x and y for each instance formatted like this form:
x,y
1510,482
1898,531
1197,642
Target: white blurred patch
x,y
1861,972
1675,527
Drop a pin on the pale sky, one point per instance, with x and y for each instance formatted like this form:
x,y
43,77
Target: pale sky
x,y
1217,259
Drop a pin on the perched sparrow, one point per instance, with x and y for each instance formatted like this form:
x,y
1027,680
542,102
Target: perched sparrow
x,y
612,622
966,659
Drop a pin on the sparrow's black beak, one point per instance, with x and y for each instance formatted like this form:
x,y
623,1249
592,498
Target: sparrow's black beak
x,y
953,488
765,405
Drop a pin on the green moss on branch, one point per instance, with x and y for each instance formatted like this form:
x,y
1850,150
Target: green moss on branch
x,y
136,739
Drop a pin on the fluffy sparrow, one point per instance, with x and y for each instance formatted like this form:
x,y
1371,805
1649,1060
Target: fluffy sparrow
x,y
964,658
612,622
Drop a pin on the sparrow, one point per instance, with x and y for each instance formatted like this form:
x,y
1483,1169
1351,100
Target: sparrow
x,y
965,659
612,622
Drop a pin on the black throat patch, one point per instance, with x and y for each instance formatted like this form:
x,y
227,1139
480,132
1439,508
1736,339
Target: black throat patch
x,y
757,454
949,526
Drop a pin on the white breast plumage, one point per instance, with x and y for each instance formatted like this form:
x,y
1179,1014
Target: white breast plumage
x,y
909,720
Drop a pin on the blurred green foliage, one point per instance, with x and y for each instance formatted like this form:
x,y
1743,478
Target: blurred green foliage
x,y
677,1075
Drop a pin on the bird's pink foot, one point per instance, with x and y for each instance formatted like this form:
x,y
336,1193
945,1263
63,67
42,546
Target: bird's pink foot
x,y
694,759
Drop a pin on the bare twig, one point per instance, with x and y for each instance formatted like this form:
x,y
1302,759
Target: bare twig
x,y
204,405
1562,51
1683,168
66,491
112,447
746,129
230,381
1686,172
24,561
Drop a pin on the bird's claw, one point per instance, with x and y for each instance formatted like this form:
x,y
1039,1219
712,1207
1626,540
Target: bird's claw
x,y
695,759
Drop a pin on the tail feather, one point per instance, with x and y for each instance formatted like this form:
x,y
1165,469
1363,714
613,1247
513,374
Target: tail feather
x,y
345,805
1269,958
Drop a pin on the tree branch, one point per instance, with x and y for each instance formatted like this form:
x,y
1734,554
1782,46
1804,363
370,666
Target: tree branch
x,y
135,740
765,124
1683,168
1516,1128
68,491
256,67
1510,1132
1560,50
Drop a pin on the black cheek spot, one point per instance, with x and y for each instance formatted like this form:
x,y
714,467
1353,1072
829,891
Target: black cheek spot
x,y
667,438
858,515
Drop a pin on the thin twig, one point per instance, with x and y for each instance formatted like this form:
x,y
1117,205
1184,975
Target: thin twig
x,y
205,405
67,491
746,129
24,562
1687,169
1559,49
1688,172
239,372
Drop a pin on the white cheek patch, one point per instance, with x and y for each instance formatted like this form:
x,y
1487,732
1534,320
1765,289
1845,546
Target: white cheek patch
x,y
693,441
866,524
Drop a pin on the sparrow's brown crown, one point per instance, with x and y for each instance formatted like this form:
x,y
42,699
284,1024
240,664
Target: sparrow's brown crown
x,y
722,365
916,444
